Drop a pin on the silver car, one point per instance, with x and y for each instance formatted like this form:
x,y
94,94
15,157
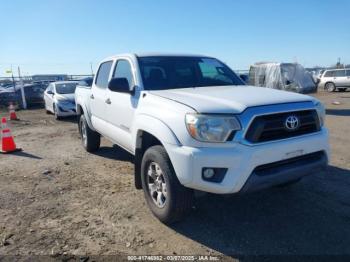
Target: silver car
x,y
334,79
59,98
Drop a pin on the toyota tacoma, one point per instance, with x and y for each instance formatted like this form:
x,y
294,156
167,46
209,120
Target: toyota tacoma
x,y
192,124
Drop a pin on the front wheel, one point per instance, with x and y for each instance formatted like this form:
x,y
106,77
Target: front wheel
x,y
91,140
168,200
55,112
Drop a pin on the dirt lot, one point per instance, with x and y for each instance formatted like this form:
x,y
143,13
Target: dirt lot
x,y
55,198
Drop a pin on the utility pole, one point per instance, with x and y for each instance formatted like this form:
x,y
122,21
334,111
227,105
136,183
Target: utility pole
x,y
13,80
22,89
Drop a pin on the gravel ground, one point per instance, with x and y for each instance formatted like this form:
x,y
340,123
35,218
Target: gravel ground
x,y
56,199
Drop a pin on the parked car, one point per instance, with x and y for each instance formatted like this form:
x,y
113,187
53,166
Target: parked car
x,y
284,76
34,95
335,79
59,98
192,124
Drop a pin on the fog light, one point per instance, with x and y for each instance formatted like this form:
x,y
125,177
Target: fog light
x,y
208,173
213,174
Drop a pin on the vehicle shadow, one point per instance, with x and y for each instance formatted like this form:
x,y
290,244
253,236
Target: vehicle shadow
x,y
69,119
338,112
311,217
115,153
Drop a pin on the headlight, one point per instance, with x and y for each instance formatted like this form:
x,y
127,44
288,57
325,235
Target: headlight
x,y
211,128
321,111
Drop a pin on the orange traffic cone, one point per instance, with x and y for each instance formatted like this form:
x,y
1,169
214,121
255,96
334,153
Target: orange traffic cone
x,y
13,115
8,144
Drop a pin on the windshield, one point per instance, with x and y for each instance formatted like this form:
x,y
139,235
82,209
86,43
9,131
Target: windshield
x,y
67,88
183,72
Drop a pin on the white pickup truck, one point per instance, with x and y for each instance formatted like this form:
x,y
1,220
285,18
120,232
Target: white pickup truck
x,y
192,124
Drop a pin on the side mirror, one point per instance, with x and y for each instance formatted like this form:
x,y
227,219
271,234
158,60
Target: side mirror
x,y
288,82
50,92
120,85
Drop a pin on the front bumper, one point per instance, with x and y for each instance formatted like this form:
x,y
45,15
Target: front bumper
x,y
66,109
242,160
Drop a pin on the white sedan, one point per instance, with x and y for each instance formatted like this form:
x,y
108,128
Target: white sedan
x,y
59,98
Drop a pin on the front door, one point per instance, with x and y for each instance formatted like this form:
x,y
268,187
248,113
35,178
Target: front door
x,y
120,106
48,98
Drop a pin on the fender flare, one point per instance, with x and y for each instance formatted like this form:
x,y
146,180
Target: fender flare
x,y
86,113
155,127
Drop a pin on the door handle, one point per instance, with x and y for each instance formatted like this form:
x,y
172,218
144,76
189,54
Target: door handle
x,y
108,101
92,96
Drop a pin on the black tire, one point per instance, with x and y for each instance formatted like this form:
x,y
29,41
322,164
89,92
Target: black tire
x,y
91,140
179,199
330,87
342,89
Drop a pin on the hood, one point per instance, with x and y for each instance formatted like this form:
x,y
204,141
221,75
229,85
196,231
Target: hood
x,y
229,99
68,97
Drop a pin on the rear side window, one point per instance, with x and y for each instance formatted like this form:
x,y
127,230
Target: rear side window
x,y
329,74
123,70
103,74
348,72
340,73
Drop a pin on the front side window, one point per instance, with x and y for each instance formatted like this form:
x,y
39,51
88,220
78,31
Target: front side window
x,y
329,73
66,88
103,74
123,70
161,72
348,72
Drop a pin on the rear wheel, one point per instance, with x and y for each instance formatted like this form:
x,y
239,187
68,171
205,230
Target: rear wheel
x,y
330,87
168,200
91,140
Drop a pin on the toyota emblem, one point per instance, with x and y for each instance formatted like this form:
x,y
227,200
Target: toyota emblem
x,y
292,123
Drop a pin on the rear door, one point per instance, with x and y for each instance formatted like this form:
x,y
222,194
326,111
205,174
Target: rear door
x,y
97,98
340,78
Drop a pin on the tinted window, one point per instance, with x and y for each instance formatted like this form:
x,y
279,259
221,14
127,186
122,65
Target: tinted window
x,y
348,72
66,88
185,72
103,74
329,74
340,73
123,70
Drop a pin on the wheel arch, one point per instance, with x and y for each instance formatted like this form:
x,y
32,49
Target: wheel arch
x,y
150,132
81,110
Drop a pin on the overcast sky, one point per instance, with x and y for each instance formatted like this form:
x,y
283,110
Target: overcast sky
x,y
65,36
